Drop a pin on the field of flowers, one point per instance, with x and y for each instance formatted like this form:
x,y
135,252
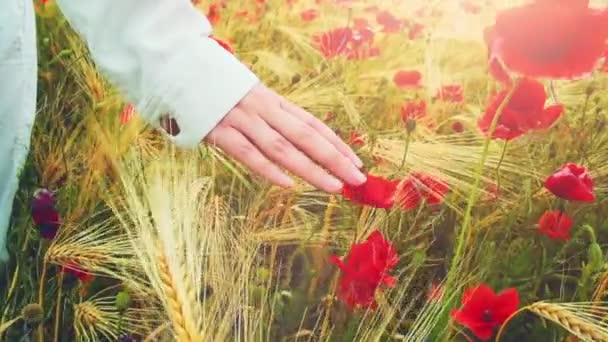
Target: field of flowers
x,y
483,125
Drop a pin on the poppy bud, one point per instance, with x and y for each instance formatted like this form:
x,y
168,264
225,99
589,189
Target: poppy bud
x,y
410,125
296,78
595,257
123,301
125,338
32,314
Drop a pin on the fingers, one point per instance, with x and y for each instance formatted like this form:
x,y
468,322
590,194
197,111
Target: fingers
x,y
238,147
279,149
314,145
325,131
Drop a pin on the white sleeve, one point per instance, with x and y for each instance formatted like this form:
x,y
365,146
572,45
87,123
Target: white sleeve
x,y
159,54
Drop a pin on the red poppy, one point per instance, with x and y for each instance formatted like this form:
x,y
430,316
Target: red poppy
x,y
525,111
407,78
376,192
457,127
555,224
529,42
44,214
364,269
420,187
360,23
77,272
470,7
492,191
388,21
413,110
451,93
572,183
335,42
372,9
498,71
309,15
214,13
483,310
415,31
223,43
356,139
127,113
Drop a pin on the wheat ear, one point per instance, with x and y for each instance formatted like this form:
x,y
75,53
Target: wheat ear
x,y
184,330
569,321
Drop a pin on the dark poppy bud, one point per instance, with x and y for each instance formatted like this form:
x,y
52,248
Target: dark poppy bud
x,y
32,314
44,214
410,125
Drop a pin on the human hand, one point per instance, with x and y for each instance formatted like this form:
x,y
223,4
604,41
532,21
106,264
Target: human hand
x,y
265,132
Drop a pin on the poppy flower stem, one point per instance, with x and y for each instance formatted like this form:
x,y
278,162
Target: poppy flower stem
x,y
504,325
40,330
502,158
407,147
464,234
58,307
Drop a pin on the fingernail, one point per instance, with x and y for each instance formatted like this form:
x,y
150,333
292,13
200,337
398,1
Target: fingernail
x,y
360,177
286,181
335,185
358,162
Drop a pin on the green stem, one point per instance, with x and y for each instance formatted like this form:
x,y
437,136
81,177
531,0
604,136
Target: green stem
x,y
502,157
407,147
464,233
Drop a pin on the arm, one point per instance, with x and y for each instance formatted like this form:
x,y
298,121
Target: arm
x,y
158,52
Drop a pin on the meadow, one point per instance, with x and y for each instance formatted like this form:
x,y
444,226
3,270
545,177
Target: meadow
x,y
483,128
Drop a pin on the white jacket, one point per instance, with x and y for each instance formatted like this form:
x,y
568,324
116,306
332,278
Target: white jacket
x,y
156,51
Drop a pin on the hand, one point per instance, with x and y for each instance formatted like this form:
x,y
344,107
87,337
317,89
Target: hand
x,y
265,132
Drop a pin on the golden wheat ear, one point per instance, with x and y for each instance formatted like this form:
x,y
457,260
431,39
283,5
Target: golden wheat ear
x,y
584,320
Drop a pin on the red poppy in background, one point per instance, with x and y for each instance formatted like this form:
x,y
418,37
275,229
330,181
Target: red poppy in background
x,y
376,192
451,93
415,30
389,22
420,187
605,68
483,310
75,271
555,224
470,7
572,183
364,269
407,78
525,111
309,15
360,23
223,43
413,110
214,13
549,38
457,127
335,42
127,113
44,214
356,139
